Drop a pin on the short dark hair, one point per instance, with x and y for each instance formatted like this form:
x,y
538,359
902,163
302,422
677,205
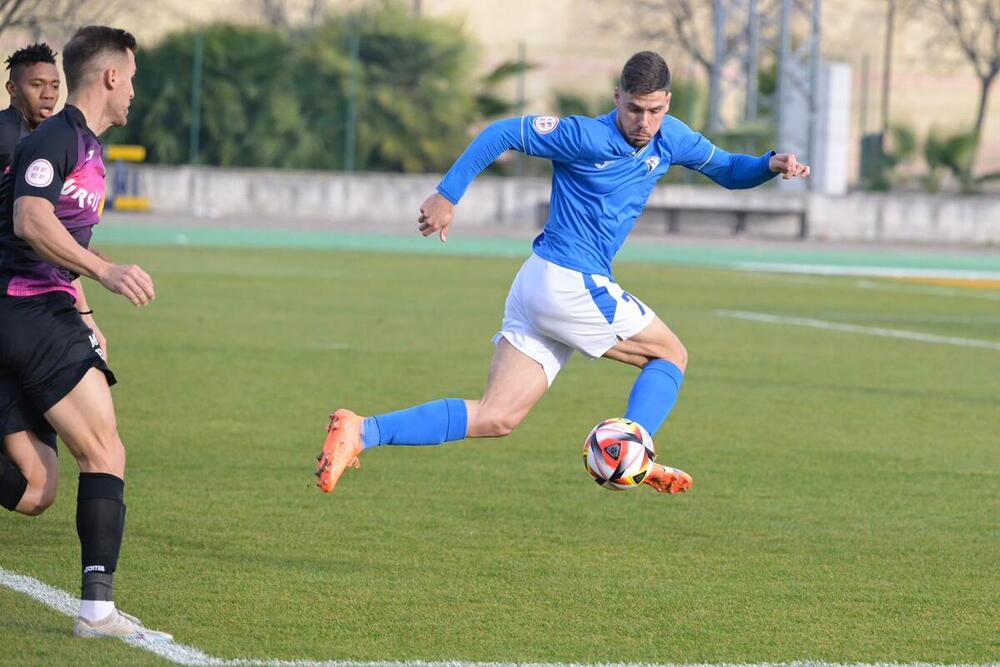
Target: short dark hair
x,y
29,55
644,73
90,42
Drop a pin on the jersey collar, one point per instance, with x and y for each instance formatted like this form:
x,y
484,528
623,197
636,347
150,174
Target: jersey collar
x,y
76,117
621,143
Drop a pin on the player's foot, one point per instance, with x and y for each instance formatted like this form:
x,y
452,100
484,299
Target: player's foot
x,y
119,625
341,449
668,480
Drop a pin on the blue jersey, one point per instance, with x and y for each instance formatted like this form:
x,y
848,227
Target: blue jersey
x,y
600,182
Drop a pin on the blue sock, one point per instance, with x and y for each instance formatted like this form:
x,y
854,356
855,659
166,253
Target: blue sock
x,y
428,424
654,394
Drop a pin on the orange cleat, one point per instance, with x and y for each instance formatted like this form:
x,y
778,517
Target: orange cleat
x,y
668,480
340,450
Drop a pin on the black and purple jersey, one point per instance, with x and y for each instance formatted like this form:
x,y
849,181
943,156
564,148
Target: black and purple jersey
x,y
12,130
62,162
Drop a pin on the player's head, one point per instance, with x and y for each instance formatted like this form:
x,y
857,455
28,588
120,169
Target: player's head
x,y
643,97
100,61
33,83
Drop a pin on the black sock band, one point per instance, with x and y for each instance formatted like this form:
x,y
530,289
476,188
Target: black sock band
x,y
100,523
97,586
100,485
12,484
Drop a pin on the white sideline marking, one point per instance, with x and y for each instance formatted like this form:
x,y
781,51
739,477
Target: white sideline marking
x,y
942,290
854,328
880,271
179,654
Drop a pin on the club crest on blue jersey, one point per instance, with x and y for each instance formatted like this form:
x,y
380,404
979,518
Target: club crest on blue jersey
x,y
545,124
652,162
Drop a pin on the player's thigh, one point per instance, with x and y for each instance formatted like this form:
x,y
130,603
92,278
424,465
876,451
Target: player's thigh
x,y
656,341
516,383
38,462
85,419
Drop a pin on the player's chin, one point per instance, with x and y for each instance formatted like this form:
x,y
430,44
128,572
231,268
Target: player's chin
x,y
639,142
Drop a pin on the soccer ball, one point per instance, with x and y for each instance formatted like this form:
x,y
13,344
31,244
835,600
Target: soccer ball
x,y
618,454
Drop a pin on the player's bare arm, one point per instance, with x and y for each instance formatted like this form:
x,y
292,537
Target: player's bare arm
x,y
436,214
788,166
35,222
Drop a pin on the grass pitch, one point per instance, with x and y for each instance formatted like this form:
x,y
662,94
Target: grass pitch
x,y
845,506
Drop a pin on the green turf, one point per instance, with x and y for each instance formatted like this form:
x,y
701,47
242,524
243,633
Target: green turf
x,y
845,509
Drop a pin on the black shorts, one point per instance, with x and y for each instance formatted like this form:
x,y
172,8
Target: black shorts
x,y
45,350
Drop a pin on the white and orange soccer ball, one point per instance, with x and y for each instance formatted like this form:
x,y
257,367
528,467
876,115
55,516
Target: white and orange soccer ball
x,y
618,454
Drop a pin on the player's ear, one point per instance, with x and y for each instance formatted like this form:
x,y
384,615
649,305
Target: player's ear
x,y
11,90
666,106
111,77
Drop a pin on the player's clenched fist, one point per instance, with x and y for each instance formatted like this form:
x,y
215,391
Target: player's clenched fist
x,y
436,214
788,166
130,281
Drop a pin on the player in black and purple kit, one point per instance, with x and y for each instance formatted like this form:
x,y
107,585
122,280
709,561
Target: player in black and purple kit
x,y
33,87
53,372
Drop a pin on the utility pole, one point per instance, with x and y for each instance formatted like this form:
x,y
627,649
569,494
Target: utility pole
x,y
890,21
718,65
351,138
194,138
522,102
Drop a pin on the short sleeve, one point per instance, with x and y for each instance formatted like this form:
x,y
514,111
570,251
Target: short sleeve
x,y
42,162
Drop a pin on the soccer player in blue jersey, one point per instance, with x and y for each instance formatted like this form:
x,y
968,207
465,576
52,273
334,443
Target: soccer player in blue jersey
x,y
565,297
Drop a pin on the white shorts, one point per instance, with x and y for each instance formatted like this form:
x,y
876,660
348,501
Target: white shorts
x,y
551,311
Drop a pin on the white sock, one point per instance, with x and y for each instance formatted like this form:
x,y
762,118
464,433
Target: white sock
x,y
95,610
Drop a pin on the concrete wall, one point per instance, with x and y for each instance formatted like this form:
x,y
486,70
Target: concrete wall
x,y
909,217
297,196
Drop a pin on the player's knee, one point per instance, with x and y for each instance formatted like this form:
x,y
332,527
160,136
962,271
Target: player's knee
x,y
499,426
680,355
102,452
673,350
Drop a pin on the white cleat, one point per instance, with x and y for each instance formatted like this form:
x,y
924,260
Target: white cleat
x,y
118,625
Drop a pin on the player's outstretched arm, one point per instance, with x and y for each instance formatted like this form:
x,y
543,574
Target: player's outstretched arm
x,y
35,221
788,166
436,214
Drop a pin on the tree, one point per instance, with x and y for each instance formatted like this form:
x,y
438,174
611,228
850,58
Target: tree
x,y
375,89
411,88
948,154
489,102
688,24
251,114
60,16
278,13
974,25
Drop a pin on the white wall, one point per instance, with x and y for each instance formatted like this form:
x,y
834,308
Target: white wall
x,y
395,199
